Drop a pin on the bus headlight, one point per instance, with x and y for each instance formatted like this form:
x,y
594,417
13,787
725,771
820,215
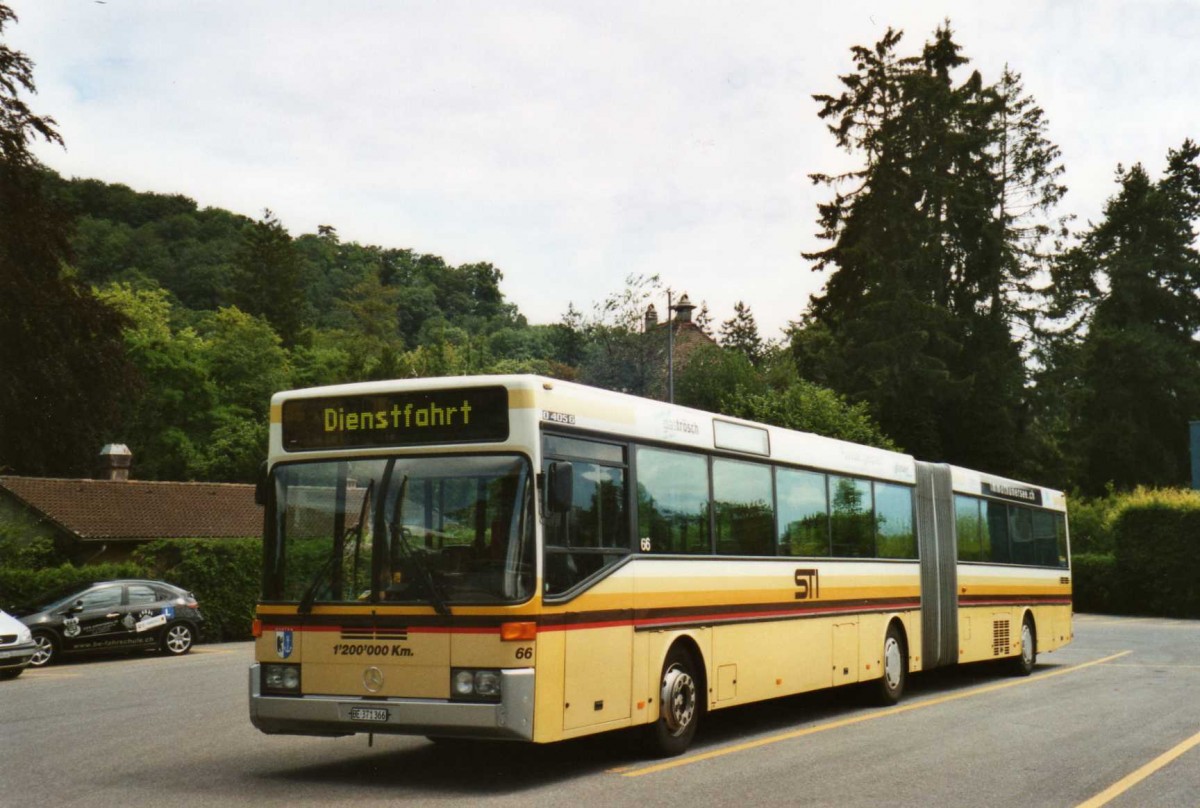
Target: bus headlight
x,y
281,678
468,684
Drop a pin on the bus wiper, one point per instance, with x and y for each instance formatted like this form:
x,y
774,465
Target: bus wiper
x,y
399,539
356,532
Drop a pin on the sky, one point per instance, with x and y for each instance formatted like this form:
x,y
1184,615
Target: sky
x,y
570,144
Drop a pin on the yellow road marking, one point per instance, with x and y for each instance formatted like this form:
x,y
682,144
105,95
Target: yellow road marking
x,y
1141,621
1124,784
846,722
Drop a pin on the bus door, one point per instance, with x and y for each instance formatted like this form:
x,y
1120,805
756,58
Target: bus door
x,y
581,546
938,549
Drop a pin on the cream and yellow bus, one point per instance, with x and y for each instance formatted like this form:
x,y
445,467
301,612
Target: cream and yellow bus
x,y
516,557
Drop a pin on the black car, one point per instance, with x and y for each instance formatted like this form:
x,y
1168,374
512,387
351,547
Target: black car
x,y
112,616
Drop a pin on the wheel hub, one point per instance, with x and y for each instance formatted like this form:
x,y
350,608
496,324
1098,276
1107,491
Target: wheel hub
x,y
893,664
678,699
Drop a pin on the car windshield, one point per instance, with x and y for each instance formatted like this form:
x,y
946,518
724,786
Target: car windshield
x,y
434,530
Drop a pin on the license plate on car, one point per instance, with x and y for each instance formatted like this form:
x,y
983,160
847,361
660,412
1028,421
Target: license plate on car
x,y
368,714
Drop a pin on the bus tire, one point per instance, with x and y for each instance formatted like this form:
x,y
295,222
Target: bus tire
x,y
679,705
894,667
1022,664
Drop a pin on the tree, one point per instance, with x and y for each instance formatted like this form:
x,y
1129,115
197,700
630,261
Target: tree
x,y
618,355
371,337
929,249
712,375
740,333
245,362
267,279
172,414
1131,287
61,349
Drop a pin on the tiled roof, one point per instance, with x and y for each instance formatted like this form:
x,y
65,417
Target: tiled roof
x,y
104,509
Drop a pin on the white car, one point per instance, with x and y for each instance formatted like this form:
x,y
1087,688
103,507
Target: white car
x,y
16,646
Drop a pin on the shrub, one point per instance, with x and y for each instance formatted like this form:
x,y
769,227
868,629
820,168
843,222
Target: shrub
x,y
1096,583
1158,551
21,586
1091,524
223,574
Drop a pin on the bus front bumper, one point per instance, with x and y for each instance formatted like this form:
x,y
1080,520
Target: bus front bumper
x,y
511,719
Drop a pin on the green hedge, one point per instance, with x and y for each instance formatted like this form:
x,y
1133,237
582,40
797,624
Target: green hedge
x,y
223,574
1096,584
1158,552
19,586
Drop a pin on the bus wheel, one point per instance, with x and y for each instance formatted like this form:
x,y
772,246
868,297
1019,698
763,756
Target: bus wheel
x,y
679,705
1022,664
895,668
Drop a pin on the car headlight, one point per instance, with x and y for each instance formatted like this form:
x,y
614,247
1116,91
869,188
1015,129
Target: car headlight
x,y
281,678
468,684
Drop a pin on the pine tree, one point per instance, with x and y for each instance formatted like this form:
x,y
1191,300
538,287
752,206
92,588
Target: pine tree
x,y
1132,285
740,333
928,250
267,278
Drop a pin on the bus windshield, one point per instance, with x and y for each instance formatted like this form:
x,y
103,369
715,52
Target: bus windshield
x,y
429,530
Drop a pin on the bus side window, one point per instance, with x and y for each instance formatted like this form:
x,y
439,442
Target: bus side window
x,y
803,513
967,525
593,532
742,502
672,501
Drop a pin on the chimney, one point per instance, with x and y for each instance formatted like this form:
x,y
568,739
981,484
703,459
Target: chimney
x,y
115,462
651,318
683,309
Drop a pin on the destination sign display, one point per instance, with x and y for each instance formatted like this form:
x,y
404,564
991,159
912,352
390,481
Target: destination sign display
x,y
1016,493
462,415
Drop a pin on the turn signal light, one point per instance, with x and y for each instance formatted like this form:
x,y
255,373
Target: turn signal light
x,y
256,628
511,632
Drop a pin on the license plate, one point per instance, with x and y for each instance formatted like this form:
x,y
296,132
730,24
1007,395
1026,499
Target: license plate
x,y
368,714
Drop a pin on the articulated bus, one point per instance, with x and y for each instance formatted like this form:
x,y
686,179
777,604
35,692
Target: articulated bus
x,y
517,557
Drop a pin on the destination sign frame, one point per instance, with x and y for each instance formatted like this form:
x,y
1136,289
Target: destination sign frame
x,y
416,418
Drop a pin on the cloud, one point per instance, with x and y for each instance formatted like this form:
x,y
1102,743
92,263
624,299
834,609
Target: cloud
x,y
570,144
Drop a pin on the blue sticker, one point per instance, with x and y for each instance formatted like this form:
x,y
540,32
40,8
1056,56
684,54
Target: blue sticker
x,y
169,612
283,643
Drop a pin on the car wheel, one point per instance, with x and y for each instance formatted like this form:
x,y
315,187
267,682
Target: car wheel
x,y
679,705
47,650
177,639
11,673
895,668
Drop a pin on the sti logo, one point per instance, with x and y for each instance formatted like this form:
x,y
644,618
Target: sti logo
x,y
283,643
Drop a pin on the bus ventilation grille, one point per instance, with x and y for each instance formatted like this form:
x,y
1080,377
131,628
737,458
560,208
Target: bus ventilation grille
x,y
1064,580
1000,638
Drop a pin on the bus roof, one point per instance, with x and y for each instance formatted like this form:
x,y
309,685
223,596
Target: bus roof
x,y
576,407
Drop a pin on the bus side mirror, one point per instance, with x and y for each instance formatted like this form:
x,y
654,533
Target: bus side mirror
x,y
560,487
260,488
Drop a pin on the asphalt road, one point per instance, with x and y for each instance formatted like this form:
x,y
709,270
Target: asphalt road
x,y
1112,719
